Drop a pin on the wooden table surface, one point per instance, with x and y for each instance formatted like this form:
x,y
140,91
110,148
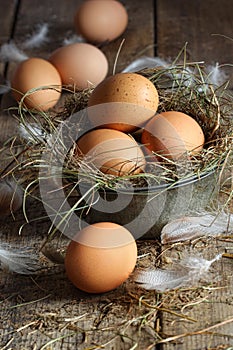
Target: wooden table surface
x,y
45,311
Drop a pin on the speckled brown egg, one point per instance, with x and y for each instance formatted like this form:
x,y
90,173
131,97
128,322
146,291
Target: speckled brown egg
x,y
80,65
112,152
100,257
124,101
173,134
101,20
40,80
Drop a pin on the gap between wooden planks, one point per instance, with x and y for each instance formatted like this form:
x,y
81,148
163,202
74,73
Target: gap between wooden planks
x,y
184,22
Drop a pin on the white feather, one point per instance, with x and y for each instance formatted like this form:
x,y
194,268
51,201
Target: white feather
x,y
31,133
145,62
38,38
216,75
185,272
9,52
187,75
21,261
189,227
73,39
159,279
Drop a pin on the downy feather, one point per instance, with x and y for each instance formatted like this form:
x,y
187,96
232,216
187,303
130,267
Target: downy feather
x,y
159,279
17,260
38,38
189,227
145,62
31,132
9,52
73,39
216,75
185,272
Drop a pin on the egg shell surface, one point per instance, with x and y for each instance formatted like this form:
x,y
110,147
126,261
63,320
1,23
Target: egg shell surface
x,y
81,65
100,20
100,257
36,73
172,134
124,101
111,151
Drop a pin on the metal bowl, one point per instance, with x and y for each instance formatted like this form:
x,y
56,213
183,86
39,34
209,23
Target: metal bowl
x,y
146,210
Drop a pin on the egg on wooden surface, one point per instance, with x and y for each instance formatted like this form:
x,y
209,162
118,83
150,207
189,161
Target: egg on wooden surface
x,y
101,20
112,152
41,76
124,101
173,134
80,65
100,257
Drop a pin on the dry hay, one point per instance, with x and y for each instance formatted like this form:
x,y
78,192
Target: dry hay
x,y
183,87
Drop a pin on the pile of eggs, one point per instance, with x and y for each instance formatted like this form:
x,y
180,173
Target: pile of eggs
x,y
103,255
119,106
76,66
124,105
38,82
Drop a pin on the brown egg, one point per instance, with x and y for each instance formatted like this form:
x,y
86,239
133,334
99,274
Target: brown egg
x,y
112,152
100,257
39,75
173,134
80,65
101,20
124,101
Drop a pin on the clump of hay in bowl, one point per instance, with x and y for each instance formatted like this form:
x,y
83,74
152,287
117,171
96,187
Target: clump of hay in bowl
x,y
181,87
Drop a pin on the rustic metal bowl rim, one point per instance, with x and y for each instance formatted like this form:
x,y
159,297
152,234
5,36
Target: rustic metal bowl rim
x,y
163,187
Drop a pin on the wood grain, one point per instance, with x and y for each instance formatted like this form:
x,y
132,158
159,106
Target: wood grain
x,y
108,319
203,25
7,16
34,310
206,27
139,35
207,303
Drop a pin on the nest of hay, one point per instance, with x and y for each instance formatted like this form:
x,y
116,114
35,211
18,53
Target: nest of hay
x,y
185,88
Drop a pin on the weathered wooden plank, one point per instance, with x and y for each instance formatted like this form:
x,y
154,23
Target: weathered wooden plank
x,y
57,14
115,319
7,15
205,25
7,20
139,35
208,304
